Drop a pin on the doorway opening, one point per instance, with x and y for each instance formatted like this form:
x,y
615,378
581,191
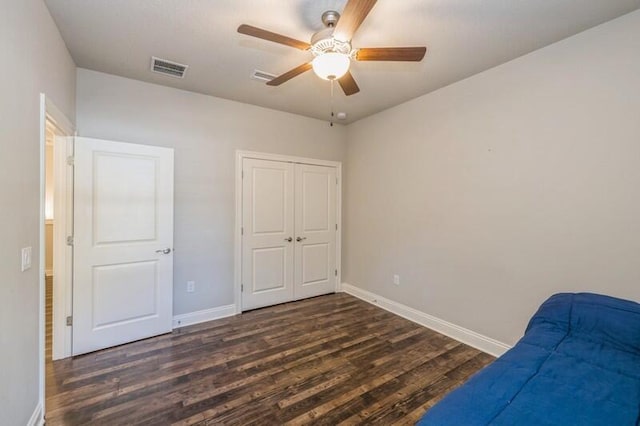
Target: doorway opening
x,y
57,253
55,256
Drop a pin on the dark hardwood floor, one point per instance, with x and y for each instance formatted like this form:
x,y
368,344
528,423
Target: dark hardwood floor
x,y
328,360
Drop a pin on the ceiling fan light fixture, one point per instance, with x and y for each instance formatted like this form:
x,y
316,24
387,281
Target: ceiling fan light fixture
x,y
332,47
331,65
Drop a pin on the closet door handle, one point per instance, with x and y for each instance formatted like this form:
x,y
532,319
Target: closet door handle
x,y
288,239
301,239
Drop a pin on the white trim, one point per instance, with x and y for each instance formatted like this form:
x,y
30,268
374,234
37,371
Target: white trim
x,y
197,317
42,284
471,338
57,117
237,258
237,237
286,158
37,418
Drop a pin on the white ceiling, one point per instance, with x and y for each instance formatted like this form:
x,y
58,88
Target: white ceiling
x,y
463,37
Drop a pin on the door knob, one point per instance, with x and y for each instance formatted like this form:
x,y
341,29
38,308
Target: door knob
x,y
288,239
301,239
164,251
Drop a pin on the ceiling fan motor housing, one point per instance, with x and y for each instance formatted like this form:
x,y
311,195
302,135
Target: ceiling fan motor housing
x,y
323,42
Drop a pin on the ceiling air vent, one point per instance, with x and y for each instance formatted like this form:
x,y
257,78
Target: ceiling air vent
x,y
262,76
162,66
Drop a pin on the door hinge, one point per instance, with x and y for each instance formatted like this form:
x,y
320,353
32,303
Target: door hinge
x,y
69,321
70,240
241,288
242,174
70,161
336,272
242,230
336,226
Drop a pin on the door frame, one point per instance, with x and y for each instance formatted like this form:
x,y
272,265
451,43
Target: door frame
x,y
50,112
63,253
240,156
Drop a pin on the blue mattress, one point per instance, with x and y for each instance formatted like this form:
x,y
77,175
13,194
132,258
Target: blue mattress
x,y
577,364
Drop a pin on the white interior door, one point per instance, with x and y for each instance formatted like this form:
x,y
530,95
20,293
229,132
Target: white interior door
x,y
267,240
123,239
315,225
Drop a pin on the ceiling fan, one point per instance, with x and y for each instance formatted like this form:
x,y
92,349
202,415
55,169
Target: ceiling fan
x,y
332,47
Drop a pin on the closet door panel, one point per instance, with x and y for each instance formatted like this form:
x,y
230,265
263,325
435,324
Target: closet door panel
x,y
315,230
267,240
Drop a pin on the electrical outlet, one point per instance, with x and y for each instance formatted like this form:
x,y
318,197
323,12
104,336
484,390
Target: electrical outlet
x,y
26,259
191,286
396,279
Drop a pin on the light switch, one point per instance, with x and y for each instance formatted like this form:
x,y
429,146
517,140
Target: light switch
x,y
26,258
191,286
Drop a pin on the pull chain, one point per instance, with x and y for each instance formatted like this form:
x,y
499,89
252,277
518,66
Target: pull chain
x,y
331,122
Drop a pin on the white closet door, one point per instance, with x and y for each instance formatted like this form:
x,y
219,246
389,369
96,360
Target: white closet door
x,y
267,240
315,224
123,237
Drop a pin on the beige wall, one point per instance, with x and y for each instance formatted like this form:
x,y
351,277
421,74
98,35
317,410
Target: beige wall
x,y
491,194
34,59
205,132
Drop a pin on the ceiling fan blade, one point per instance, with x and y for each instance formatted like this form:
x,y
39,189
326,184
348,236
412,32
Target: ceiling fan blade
x,y
289,75
348,84
276,38
414,54
352,17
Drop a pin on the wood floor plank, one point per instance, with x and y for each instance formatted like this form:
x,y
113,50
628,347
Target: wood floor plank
x,y
328,360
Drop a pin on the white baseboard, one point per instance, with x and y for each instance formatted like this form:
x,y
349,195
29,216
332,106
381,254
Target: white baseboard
x,y
471,338
197,317
37,419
